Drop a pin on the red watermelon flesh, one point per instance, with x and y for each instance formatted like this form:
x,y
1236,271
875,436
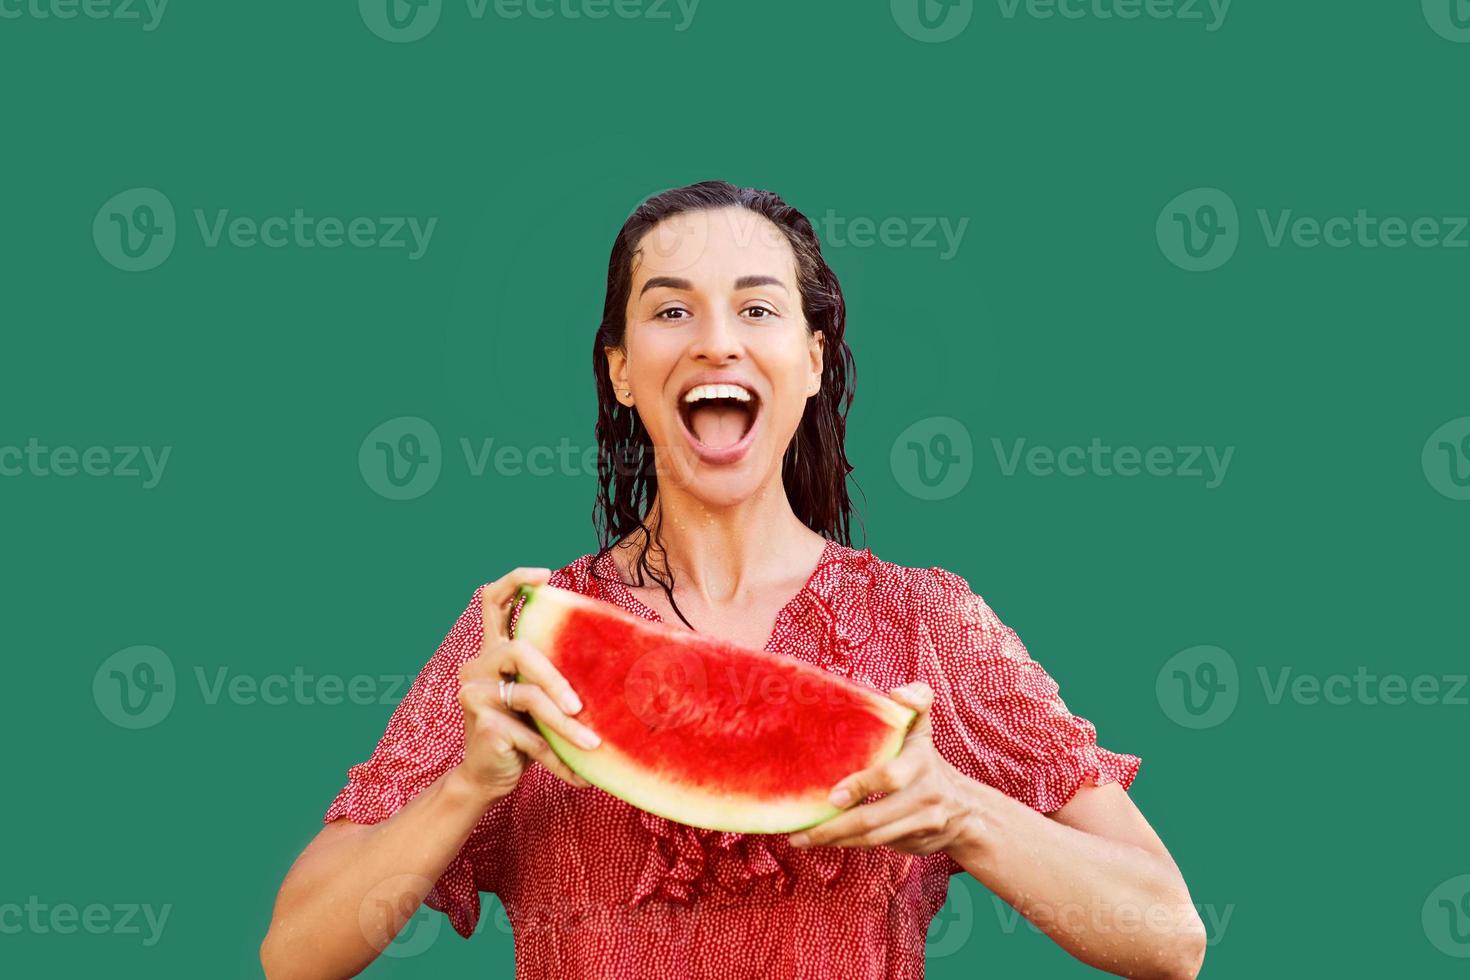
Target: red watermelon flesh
x,y
701,730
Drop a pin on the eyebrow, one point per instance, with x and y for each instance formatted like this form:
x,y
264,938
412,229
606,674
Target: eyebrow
x,y
744,282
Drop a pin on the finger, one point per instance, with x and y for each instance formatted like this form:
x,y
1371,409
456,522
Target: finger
x,y
914,826
885,777
920,697
533,699
529,741
495,600
510,733
521,660
530,664
854,822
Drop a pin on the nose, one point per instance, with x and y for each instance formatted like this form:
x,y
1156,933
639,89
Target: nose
x,y
717,339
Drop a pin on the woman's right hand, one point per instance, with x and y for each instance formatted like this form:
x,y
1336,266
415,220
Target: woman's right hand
x,y
499,742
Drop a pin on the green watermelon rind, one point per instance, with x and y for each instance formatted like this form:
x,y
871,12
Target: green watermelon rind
x,y
611,771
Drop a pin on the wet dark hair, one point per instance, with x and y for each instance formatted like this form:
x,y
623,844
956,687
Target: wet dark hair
x,y
815,467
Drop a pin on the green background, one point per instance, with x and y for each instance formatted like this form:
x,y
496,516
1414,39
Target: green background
x,y
1312,834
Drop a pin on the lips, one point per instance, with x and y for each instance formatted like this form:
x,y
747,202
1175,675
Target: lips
x,y
720,423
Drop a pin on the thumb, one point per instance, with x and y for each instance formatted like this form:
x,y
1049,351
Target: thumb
x,y
920,697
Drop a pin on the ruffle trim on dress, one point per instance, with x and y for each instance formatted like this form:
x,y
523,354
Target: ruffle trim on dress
x,y
840,594
1090,766
365,799
684,863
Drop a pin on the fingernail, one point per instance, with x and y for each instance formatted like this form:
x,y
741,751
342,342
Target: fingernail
x,y
840,797
588,739
800,840
571,703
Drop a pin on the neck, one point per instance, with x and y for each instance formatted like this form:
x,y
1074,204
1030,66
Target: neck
x,y
719,553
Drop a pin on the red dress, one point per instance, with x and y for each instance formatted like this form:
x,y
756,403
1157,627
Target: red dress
x,y
594,887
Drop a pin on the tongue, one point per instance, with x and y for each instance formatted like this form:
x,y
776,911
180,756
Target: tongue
x,y
718,426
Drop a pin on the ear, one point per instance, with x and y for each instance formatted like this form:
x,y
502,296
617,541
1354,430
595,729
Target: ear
x,y
617,371
816,348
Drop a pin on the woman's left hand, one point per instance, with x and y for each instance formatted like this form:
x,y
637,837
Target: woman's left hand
x,y
925,808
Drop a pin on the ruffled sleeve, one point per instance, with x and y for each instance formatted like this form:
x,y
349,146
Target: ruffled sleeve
x,y
998,716
425,739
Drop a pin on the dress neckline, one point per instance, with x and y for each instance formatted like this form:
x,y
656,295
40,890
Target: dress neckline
x,y
816,583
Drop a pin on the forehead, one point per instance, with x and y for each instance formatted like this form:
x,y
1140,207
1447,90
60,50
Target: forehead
x,y
712,246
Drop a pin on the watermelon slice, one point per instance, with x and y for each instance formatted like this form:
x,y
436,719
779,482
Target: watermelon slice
x,y
703,731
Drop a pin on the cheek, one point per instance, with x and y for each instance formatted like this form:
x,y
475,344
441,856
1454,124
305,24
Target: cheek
x,y
650,359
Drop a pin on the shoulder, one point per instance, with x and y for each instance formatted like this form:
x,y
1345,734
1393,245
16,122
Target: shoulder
x,y
936,608
919,590
578,575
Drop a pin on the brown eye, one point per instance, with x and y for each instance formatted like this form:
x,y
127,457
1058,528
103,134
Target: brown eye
x,y
664,314
768,313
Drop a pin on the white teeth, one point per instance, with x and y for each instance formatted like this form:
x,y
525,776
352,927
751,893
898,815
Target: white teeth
x,y
701,392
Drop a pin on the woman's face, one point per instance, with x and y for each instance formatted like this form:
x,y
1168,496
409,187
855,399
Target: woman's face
x,y
717,358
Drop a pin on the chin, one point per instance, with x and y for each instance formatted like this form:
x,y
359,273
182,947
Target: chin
x,y
722,486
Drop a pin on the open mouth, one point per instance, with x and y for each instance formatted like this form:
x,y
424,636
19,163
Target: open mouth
x,y
719,419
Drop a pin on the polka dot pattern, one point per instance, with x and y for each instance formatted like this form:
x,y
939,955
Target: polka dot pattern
x,y
594,887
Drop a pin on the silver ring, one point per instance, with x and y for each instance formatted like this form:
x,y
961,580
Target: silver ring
x,y
506,688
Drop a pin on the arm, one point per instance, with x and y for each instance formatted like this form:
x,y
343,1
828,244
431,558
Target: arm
x,y
1093,876
357,884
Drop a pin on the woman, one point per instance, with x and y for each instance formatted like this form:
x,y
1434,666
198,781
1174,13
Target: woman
x,y
723,380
